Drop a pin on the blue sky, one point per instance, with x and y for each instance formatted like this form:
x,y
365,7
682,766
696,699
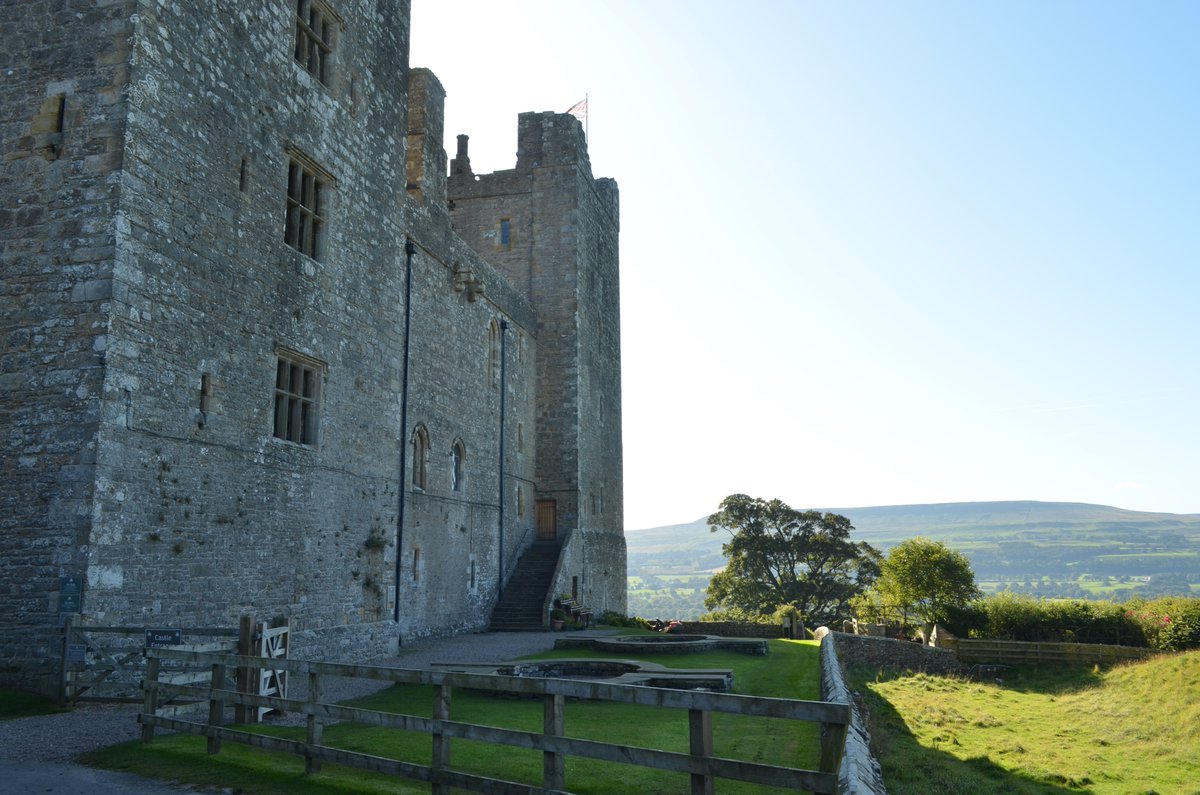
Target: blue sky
x,y
877,254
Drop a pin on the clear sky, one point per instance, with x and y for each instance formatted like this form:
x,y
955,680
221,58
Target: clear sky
x,y
877,253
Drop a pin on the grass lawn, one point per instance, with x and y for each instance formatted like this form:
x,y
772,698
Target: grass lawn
x,y
1130,729
16,704
790,671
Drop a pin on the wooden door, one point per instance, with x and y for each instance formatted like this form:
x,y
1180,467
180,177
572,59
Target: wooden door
x,y
547,520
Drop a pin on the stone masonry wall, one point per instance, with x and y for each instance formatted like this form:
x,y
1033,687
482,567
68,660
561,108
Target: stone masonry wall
x,y
201,512
874,652
149,293
63,72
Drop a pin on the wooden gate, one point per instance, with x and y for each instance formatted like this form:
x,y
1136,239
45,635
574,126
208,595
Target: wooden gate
x,y
272,645
108,664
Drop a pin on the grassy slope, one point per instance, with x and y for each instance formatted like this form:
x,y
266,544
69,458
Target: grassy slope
x,y
1131,729
789,671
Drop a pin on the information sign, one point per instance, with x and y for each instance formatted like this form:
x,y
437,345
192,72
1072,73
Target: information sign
x,y
164,637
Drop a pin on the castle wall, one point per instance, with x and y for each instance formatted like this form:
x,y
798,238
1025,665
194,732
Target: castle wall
x,y
160,294
62,125
201,512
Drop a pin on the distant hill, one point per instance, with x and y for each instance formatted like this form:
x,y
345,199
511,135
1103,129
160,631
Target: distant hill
x,y
1049,548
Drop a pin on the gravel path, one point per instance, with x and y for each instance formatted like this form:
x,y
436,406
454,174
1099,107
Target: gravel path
x,y
62,737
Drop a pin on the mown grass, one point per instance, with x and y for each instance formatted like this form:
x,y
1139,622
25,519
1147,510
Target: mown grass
x,y
790,671
1050,729
18,704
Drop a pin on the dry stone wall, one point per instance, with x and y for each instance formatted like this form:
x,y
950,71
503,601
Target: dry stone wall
x,y
859,773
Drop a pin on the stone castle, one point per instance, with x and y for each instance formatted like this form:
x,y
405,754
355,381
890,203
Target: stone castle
x,y
266,352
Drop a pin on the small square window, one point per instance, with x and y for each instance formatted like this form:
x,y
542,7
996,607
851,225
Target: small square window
x,y
315,23
297,398
305,220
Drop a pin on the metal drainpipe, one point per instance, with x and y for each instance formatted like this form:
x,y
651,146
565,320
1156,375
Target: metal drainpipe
x,y
410,249
503,389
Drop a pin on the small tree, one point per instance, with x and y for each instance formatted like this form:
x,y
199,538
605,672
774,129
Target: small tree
x,y
926,578
779,555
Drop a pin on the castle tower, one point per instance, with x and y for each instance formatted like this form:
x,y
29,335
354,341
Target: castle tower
x,y
553,230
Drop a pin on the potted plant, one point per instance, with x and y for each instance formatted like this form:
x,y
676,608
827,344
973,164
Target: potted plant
x,y
557,617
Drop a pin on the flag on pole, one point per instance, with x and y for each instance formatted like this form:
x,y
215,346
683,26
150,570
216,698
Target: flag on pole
x,y
579,110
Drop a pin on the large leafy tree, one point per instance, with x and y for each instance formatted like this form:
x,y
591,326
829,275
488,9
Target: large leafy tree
x,y
926,578
779,555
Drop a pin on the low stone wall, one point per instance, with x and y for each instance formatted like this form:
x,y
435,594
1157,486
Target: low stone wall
x,y
875,652
859,773
734,629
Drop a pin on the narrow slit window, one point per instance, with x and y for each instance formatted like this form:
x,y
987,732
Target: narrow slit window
x,y
420,456
458,460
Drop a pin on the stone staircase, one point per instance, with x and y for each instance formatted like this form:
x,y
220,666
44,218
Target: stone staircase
x,y
520,608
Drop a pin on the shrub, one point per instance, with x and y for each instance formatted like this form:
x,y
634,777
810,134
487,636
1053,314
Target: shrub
x,y
1010,616
1171,623
611,618
738,616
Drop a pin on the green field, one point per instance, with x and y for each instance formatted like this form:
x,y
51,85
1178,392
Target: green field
x,y
1054,550
1130,729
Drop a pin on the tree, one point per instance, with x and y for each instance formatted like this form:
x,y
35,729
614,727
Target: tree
x,y
778,555
926,578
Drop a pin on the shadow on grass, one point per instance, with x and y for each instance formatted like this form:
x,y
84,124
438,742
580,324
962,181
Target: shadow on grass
x,y
1052,680
910,768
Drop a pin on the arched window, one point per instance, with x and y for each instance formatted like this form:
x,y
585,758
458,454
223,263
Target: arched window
x,y
494,353
458,465
420,457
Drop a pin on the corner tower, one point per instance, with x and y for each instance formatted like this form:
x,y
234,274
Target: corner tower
x,y
553,229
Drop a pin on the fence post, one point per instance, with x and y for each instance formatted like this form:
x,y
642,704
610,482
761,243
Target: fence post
x,y
553,724
216,707
246,676
150,697
65,678
441,743
701,744
833,743
316,729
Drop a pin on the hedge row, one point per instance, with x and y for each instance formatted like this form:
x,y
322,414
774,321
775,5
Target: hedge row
x,y
1171,623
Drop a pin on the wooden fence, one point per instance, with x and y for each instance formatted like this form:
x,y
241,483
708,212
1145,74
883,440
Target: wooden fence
x,y
1013,652
700,763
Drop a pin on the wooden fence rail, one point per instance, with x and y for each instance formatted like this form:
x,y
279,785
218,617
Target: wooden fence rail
x,y
1013,652
700,763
